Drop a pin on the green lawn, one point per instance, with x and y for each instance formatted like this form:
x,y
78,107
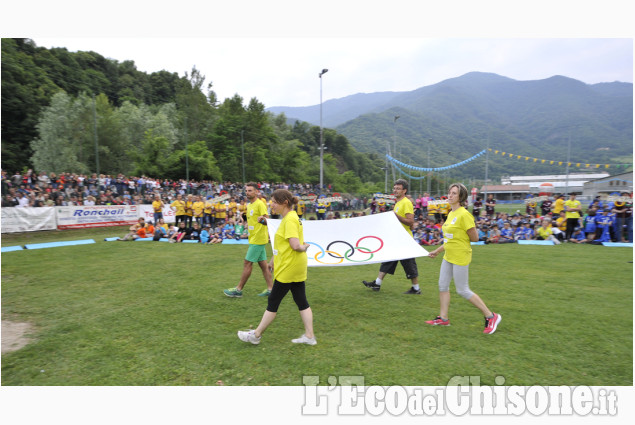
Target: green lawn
x,y
115,313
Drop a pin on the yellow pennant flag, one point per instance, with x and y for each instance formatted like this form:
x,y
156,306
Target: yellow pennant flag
x,y
577,165
511,155
559,162
536,159
606,166
526,158
503,153
542,161
550,162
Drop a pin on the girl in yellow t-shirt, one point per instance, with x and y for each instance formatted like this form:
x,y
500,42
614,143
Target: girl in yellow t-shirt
x,y
289,264
458,231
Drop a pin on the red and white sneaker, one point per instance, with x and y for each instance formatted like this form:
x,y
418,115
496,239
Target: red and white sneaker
x,y
438,321
492,324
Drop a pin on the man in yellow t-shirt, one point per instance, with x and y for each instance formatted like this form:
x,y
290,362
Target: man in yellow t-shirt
x,y
404,211
232,208
157,208
258,239
189,213
300,207
558,206
221,211
178,206
208,213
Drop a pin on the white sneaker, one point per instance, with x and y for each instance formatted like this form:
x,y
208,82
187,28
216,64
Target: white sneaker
x,y
249,336
304,340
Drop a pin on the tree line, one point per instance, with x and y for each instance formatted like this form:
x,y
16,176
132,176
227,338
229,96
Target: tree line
x,y
81,112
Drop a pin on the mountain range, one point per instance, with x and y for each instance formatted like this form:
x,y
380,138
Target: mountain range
x,y
557,118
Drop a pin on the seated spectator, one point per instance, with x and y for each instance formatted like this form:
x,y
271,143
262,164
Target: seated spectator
x,y
589,224
179,234
482,232
494,234
525,232
194,233
239,229
578,236
205,235
137,231
507,234
545,232
150,228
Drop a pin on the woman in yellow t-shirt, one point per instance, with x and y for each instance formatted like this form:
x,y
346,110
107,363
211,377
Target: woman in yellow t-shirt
x,y
198,206
289,266
178,206
458,231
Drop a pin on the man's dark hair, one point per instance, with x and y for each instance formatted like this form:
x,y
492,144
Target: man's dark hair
x,y
403,183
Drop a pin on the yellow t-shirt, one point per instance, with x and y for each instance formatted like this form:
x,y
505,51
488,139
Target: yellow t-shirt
x,y
432,209
572,204
156,206
456,242
209,207
544,232
300,208
220,210
258,234
289,265
233,206
198,208
402,208
242,208
188,208
559,206
180,207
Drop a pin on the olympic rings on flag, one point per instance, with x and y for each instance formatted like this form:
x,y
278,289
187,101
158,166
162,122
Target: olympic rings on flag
x,y
348,253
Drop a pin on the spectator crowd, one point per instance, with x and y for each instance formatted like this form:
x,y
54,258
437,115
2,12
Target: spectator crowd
x,y
200,216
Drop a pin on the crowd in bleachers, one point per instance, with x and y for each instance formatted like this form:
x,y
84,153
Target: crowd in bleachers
x,y
598,222
601,221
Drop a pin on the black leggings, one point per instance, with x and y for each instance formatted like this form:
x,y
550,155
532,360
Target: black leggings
x,y
279,291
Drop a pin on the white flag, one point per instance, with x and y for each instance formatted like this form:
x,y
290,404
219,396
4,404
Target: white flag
x,y
355,241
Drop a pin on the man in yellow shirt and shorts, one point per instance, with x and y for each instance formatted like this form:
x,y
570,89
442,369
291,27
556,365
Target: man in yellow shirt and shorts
x,y
258,239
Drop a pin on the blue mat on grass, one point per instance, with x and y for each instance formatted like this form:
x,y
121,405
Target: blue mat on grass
x,y
535,243
618,244
56,244
12,248
235,242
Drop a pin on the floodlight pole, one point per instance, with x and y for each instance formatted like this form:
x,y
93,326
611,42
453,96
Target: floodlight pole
x,y
324,71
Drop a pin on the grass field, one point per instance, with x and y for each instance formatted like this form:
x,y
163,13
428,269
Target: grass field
x,y
116,313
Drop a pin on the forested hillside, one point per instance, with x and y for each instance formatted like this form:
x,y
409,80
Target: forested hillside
x,y
83,113
459,117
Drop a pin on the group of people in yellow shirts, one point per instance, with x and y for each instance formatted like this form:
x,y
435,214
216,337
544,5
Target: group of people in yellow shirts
x,y
203,210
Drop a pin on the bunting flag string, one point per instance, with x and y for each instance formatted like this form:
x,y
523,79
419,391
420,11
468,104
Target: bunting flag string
x,y
398,163
412,167
408,175
553,162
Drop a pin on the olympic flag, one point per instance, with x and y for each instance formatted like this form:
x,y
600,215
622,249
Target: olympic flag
x,y
355,241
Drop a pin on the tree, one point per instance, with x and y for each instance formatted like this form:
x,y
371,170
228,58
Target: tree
x,y
201,163
59,145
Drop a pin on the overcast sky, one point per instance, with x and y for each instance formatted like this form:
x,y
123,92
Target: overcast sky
x,y
274,50
284,71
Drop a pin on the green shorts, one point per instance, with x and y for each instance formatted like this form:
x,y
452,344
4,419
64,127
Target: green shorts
x,y
256,253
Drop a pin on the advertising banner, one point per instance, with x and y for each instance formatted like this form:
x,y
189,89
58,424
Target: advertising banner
x,y
28,219
96,216
147,212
